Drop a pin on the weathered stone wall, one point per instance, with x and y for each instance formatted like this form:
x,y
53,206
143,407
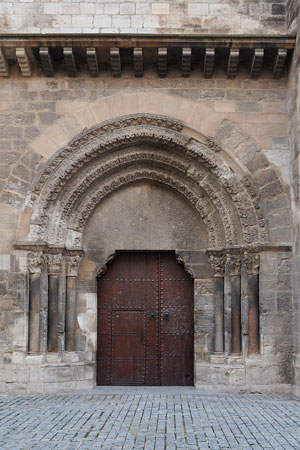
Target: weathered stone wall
x,y
248,117
294,139
197,16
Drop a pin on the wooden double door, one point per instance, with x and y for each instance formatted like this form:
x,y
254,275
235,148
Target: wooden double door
x,y
145,333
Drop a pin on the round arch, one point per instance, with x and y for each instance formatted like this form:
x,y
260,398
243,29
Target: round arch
x,y
108,156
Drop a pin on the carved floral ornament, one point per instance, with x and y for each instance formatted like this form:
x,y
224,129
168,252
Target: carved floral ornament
x,y
54,264
217,261
36,261
232,260
72,265
56,260
251,262
233,264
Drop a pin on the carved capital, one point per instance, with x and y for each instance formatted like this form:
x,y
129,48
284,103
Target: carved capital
x,y
251,262
54,263
72,262
233,265
36,260
217,262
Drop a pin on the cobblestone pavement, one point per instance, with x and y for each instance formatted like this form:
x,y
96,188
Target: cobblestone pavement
x,y
149,418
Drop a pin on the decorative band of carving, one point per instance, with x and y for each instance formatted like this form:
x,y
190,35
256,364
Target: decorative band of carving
x,y
80,217
68,164
119,139
108,126
221,201
42,255
213,144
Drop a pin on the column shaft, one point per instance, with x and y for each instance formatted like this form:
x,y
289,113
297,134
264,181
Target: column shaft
x,y
236,314
34,312
70,314
53,313
253,296
219,313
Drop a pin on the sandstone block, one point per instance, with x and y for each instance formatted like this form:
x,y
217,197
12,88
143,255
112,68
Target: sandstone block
x,y
197,9
82,21
160,8
127,8
53,8
102,21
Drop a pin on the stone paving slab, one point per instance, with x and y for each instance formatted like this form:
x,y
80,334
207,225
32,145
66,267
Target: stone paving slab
x,y
149,418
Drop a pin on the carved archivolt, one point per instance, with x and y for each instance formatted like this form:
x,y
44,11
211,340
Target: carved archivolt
x,y
143,147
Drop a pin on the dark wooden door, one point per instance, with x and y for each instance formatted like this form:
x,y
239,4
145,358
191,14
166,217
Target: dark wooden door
x,y
145,322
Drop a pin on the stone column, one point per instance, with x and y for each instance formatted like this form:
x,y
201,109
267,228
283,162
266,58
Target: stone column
x,y
233,263
35,264
217,262
54,271
251,262
73,262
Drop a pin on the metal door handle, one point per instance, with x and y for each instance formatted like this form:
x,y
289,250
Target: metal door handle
x,y
152,315
166,315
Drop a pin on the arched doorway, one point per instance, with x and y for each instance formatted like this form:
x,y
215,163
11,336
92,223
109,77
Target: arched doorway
x,y
142,183
145,321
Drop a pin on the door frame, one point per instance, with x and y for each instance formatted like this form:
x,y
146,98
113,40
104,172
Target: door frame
x,y
102,270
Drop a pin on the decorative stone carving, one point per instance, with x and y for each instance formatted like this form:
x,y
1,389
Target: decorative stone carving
x,y
222,204
233,264
36,261
251,262
231,211
217,262
212,144
99,130
72,265
82,214
54,264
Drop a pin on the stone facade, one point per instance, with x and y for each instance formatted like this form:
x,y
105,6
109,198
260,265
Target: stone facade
x,y
207,16
293,101
208,167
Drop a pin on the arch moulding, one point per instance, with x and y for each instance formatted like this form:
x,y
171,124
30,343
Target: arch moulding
x,y
118,152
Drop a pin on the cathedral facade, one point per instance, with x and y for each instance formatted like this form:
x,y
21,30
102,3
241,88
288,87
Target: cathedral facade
x,y
150,195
